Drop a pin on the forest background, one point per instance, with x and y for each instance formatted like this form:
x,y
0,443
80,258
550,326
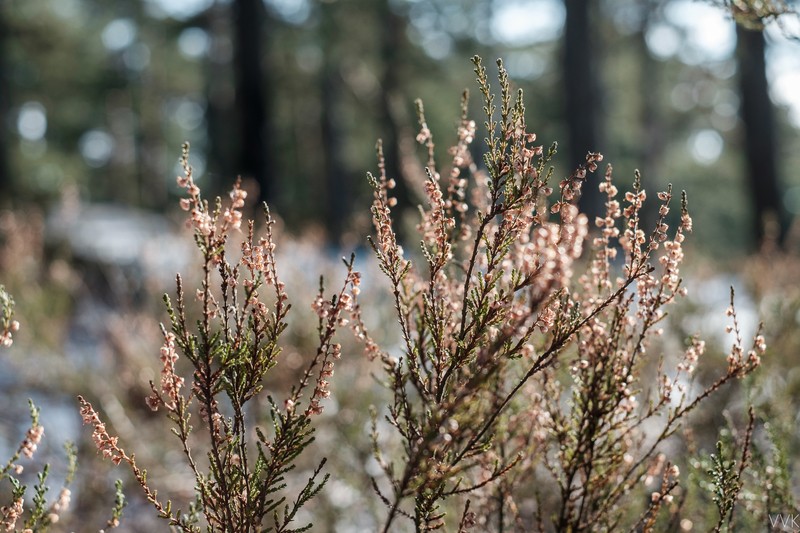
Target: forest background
x,y
96,99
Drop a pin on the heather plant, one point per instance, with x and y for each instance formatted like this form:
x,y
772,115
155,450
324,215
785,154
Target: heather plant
x,y
514,368
241,477
528,390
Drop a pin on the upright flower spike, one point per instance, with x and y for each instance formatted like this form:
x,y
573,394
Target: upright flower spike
x,y
171,383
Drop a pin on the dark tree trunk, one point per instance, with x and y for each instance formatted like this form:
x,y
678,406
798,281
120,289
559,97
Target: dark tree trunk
x,y
220,90
582,94
337,207
338,198
254,162
5,171
651,140
392,49
759,136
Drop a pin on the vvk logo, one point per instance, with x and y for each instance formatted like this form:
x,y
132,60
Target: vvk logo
x,y
785,522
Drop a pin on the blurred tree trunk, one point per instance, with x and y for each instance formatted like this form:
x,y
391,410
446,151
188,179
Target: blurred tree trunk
x,y
759,136
254,128
582,94
392,48
651,146
5,170
651,123
337,206
220,91
338,199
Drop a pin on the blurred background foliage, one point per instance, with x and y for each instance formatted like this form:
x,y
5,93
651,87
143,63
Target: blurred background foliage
x,y
291,94
96,98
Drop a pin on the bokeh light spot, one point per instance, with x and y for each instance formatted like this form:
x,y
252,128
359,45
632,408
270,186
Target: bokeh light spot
x,y
118,34
524,22
194,43
706,146
32,121
96,147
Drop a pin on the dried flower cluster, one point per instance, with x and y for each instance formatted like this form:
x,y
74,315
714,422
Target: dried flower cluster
x,y
243,310
512,367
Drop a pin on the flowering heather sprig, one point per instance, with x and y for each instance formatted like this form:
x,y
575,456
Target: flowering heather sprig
x,y
371,348
108,447
462,160
447,209
201,217
386,240
171,383
28,445
32,440
740,362
233,214
332,314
